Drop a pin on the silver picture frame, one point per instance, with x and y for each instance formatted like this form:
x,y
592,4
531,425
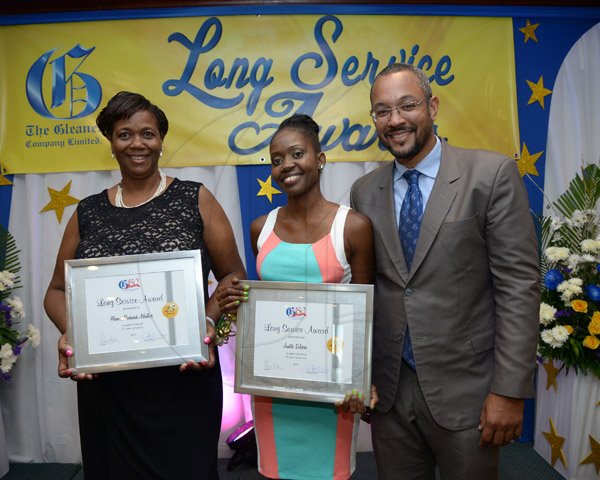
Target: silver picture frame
x,y
304,341
135,311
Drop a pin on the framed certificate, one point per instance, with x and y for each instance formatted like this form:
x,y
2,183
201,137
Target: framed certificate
x,y
307,341
135,311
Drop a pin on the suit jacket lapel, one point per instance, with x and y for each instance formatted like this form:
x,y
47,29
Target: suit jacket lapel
x,y
384,202
439,203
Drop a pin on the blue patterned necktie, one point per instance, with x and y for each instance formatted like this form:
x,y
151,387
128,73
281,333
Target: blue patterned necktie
x,y
411,214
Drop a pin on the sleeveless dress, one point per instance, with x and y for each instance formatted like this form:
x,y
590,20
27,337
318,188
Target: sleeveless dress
x,y
155,423
298,439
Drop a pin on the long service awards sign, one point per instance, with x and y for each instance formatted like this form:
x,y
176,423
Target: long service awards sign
x,y
225,83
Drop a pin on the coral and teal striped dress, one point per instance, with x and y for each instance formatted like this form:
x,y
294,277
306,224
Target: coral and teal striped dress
x,y
298,439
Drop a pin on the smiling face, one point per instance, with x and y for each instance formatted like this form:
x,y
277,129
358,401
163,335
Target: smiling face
x,y
295,162
407,135
136,143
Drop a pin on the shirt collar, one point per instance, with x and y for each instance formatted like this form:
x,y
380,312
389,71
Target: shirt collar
x,y
429,166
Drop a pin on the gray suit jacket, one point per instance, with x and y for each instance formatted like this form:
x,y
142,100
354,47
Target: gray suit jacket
x,y
471,298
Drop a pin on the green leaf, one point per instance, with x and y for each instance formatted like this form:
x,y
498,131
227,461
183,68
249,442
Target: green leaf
x,y
9,254
582,193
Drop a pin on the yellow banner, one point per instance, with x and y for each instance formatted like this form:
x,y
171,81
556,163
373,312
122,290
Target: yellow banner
x,y
225,83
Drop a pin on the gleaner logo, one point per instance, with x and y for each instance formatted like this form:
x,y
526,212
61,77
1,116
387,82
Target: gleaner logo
x,y
293,312
80,91
129,283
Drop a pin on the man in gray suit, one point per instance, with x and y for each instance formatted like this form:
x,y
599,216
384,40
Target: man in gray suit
x,y
457,292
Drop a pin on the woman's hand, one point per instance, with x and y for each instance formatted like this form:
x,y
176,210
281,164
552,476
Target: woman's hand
x,y
230,294
204,364
64,352
354,402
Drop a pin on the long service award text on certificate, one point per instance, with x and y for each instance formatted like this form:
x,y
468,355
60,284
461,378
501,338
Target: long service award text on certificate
x,y
135,311
304,341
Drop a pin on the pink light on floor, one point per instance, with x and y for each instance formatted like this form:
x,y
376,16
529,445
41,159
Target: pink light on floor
x,y
233,404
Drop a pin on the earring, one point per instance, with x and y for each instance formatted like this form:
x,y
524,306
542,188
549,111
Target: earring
x,y
112,154
321,167
160,155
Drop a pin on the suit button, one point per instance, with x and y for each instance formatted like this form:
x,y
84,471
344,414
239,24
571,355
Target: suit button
x,y
399,336
408,292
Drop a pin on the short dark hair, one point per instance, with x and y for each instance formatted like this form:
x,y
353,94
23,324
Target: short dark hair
x,y
305,124
405,67
122,106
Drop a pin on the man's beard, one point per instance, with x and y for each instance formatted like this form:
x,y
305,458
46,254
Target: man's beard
x,y
420,139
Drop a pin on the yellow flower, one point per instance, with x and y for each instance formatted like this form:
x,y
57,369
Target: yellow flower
x,y
579,306
569,328
596,316
594,326
591,342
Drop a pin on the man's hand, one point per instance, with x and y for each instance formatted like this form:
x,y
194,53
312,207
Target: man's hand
x,y
501,420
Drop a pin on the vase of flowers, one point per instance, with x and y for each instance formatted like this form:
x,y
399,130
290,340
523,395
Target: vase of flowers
x,y
570,264
12,339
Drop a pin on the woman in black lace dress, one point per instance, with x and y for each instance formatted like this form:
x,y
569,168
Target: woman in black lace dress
x,y
155,423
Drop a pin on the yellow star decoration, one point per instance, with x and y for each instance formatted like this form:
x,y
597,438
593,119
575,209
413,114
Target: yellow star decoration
x,y
266,189
598,404
551,373
59,200
529,31
594,456
538,91
4,181
556,442
527,162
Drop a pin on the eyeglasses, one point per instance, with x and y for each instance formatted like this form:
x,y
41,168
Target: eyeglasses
x,y
383,114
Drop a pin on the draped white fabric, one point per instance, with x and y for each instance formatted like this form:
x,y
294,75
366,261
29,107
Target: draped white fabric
x,y
573,141
574,415
39,408
3,453
573,138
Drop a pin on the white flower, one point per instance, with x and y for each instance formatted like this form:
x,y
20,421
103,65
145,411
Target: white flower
x,y
555,337
546,313
587,258
581,217
556,254
569,288
589,245
33,334
7,280
556,224
16,306
6,364
8,358
574,260
6,350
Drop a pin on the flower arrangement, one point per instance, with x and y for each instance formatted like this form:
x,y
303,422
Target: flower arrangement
x,y
570,264
12,312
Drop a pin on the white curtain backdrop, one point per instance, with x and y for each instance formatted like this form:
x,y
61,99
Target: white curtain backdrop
x,y
574,125
573,141
38,407
575,416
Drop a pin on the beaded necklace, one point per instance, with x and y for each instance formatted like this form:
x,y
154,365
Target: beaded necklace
x,y
160,189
